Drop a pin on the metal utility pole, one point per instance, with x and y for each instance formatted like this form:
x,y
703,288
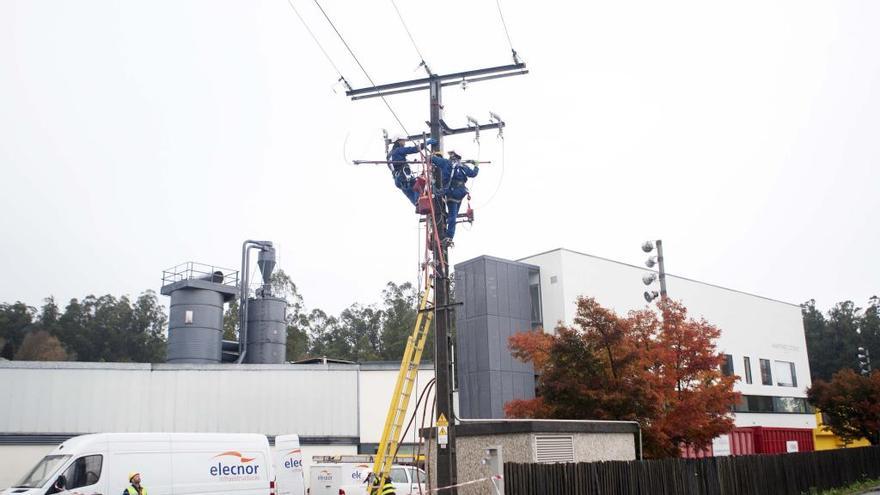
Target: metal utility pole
x,y
434,83
661,269
648,279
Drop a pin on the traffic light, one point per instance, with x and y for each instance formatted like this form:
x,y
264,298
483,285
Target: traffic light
x,y
864,361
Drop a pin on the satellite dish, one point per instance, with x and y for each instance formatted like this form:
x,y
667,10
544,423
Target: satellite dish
x,y
651,295
648,246
650,262
649,278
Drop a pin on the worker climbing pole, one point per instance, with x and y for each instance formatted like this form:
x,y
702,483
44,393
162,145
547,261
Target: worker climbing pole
x,y
440,180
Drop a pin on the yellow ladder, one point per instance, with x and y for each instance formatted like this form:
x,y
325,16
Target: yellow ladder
x,y
406,378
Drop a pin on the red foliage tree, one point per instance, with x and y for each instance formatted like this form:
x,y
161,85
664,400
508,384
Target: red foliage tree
x,y
664,373
850,404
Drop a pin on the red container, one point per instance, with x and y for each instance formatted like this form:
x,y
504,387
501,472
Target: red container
x,y
742,442
775,440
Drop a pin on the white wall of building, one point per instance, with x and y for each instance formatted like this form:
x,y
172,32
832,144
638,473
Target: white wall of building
x,y
71,398
376,387
752,326
17,460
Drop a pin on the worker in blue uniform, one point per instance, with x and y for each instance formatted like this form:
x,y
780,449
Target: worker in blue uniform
x,y
455,174
400,170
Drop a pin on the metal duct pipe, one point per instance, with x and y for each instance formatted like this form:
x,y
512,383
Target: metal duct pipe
x,y
246,246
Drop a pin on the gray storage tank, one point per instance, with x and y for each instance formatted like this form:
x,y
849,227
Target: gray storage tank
x,y
195,320
266,330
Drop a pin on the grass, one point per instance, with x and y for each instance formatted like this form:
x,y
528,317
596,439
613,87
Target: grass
x,y
854,489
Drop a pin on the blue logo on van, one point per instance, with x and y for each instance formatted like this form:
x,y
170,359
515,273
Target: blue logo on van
x,y
293,463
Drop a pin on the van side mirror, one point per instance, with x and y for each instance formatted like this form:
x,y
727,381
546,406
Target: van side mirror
x,y
60,484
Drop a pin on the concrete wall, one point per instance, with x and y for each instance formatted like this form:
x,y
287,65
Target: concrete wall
x,y
592,441
751,325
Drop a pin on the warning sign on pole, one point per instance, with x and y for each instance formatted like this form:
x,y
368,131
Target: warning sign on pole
x,y
442,431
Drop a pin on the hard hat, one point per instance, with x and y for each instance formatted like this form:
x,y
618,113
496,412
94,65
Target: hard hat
x,y
132,475
453,152
398,137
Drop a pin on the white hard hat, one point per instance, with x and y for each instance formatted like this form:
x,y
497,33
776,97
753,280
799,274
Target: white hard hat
x,y
398,137
453,152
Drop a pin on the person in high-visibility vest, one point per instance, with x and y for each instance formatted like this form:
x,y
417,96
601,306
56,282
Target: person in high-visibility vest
x,y
388,489
135,488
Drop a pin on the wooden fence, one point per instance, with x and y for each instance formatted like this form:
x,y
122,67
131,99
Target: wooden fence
x,y
781,474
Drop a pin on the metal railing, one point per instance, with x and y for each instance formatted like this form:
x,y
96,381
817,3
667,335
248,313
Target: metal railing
x,y
200,271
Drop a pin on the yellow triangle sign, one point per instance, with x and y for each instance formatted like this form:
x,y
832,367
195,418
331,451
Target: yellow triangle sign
x,y
441,421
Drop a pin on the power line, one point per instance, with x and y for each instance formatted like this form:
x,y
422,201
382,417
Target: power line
x,y
367,74
408,33
315,38
506,32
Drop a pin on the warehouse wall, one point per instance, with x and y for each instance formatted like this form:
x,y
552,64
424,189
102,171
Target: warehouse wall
x,y
71,398
17,460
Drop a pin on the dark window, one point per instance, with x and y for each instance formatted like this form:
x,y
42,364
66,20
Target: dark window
x,y
747,364
769,404
766,374
727,365
84,471
785,376
535,298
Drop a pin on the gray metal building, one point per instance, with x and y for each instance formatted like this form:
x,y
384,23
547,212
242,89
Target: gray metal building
x,y
498,299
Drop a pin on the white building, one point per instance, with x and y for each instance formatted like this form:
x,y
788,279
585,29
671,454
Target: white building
x,y
763,337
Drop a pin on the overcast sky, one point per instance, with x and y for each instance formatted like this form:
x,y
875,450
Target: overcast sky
x,y
138,135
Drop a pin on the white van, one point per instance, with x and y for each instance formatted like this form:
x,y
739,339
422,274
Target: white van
x,y
326,478
169,463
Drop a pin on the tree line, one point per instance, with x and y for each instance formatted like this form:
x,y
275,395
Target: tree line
x,y
847,394
121,329
834,338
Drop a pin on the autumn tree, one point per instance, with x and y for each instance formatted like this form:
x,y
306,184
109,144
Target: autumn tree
x,y
850,404
664,373
40,346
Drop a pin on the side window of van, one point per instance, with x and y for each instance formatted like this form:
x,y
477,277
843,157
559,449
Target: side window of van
x,y
84,471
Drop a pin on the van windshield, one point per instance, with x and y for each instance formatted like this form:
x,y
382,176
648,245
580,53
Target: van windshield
x,y
40,474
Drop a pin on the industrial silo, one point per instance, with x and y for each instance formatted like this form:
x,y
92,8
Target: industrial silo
x,y
266,326
195,320
266,331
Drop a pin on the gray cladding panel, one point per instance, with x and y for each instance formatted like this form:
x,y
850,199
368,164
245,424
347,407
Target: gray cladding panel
x,y
505,275
492,287
495,304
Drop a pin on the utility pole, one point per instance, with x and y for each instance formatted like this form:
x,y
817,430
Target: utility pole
x,y
662,269
434,83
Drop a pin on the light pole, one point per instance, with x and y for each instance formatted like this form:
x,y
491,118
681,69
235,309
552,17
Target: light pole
x,y
650,278
864,361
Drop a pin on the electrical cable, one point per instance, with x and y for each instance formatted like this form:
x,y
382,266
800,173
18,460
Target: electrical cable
x,y
506,32
500,180
364,70
315,38
408,33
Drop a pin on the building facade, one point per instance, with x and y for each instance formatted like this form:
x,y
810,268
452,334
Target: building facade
x,y
763,339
